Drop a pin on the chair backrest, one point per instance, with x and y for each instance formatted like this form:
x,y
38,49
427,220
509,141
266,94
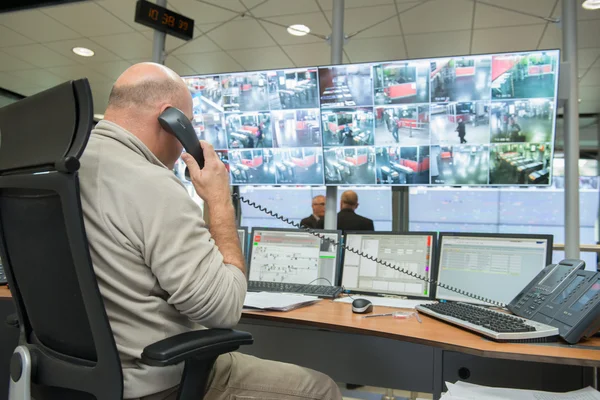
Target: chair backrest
x,y
44,246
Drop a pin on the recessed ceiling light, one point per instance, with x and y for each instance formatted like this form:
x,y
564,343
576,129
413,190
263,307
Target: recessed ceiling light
x,y
298,30
83,52
591,4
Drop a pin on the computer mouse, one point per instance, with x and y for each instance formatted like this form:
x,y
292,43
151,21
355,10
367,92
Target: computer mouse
x,y
362,306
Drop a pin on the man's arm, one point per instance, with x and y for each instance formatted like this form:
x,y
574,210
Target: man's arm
x,y
224,233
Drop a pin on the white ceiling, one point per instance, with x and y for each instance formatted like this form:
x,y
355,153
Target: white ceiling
x,y
234,35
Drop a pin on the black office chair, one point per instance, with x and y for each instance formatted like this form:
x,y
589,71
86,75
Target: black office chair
x,y
66,346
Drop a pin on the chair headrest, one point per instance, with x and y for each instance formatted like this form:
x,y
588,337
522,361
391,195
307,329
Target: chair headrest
x,y
48,130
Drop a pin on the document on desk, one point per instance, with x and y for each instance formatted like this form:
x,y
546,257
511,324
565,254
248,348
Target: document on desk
x,y
277,301
469,391
386,301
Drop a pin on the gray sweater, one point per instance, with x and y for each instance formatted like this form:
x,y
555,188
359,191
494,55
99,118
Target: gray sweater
x,y
159,271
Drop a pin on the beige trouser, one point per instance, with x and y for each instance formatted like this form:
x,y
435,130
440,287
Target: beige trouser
x,y
238,376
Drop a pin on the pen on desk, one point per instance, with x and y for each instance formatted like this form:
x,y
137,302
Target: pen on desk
x,y
378,315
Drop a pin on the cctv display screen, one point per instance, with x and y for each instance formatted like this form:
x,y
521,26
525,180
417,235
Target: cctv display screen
x,y
414,253
466,120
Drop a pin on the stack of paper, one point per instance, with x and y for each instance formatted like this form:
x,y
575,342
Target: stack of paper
x,y
386,301
468,391
277,301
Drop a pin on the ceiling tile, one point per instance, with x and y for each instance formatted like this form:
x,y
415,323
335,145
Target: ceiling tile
x,y
39,55
200,44
588,33
552,37
506,39
100,95
310,55
235,5
8,37
438,44
30,91
241,34
211,63
284,7
589,93
88,19
376,19
38,26
40,77
263,58
16,84
111,70
178,66
65,47
489,17
587,57
591,78
201,13
376,49
10,63
128,46
125,10
438,16
589,107
78,72
327,5
315,21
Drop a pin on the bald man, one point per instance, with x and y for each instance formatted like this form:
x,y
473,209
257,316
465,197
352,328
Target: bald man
x,y
317,219
161,272
348,219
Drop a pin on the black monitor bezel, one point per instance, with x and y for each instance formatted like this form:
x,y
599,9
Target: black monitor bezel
x,y
245,244
433,265
542,236
337,268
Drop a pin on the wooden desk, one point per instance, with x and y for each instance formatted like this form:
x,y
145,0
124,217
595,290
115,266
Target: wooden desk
x,y
409,355
4,292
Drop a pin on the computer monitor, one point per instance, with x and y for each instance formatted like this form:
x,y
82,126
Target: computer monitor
x,y
293,256
243,235
412,251
494,266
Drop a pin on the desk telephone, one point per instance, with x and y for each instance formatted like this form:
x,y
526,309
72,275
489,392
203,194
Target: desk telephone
x,y
562,295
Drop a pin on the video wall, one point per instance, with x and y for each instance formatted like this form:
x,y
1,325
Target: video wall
x,y
469,120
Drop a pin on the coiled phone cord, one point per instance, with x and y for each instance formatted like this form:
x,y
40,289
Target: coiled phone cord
x,y
364,255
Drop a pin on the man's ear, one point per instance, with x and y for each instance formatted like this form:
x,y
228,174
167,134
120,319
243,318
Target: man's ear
x,y
164,107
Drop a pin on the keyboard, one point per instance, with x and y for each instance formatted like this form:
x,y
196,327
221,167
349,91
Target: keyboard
x,y
493,324
3,280
281,287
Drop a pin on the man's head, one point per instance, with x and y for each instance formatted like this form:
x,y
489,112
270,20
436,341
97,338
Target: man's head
x,y
139,96
349,200
318,206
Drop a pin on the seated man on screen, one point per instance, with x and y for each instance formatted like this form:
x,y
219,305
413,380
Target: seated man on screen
x,y
317,219
161,272
348,220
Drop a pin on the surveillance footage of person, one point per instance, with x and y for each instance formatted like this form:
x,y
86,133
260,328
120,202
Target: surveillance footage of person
x,y
348,126
349,165
249,130
296,128
345,86
401,82
402,165
293,89
209,127
407,125
461,79
245,92
522,121
207,88
299,166
460,123
520,164
252,167
459,165
519,76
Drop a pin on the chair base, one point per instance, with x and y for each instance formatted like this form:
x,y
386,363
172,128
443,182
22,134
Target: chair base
x,y
20,374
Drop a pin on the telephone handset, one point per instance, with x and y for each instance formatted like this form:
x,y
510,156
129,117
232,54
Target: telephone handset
x,y
176,123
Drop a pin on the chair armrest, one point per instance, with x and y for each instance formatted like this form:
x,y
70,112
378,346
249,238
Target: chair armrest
x,y
202,344
12,320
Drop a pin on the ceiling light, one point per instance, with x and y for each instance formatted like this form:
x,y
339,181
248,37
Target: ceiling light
x,y
83,52
298,30
591,4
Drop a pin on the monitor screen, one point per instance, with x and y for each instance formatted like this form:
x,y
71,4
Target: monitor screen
x,y
463,120
414,252
493,266
293,256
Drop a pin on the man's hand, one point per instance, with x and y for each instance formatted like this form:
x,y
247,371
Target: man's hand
x,y
211,182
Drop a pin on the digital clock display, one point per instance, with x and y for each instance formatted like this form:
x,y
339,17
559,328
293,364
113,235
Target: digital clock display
x,y
162,19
